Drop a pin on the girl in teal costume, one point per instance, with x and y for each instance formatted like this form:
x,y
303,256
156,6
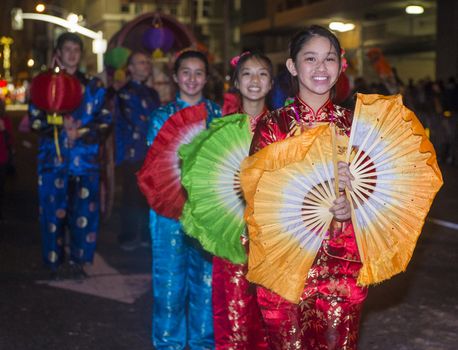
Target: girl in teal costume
x,y
181,272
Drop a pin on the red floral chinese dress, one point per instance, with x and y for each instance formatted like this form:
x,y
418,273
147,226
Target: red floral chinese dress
x,y
237,320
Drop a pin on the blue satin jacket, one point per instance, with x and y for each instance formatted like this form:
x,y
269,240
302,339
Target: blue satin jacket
x,y
134,104
81,157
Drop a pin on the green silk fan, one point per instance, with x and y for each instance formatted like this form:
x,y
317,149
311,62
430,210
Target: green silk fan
x,y
214,211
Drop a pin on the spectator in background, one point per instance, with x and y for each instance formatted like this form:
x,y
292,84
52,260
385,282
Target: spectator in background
x,y
6,144
449,121
282,89
134,103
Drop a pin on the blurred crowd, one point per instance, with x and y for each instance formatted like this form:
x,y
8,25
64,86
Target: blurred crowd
x,y
435,103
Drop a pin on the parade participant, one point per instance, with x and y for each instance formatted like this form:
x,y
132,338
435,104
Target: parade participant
x,y
6,144
237,318
134,103
328,314
181,276
68,169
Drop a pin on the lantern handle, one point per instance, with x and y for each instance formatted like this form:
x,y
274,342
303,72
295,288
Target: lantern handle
x,y
56,63
157,21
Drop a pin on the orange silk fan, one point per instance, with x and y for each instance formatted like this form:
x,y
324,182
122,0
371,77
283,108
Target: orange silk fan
x,y
289,188
396,179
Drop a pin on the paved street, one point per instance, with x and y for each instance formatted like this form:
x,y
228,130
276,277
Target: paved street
x,y
416,310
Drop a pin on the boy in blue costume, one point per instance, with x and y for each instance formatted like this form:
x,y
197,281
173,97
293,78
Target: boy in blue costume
x,y
69,184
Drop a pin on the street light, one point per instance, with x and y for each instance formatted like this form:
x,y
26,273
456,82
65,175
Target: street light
x,y
40,8
415,10
341,27
61,12
99,44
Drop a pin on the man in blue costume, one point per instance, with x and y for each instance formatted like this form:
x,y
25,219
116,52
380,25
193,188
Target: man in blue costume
x,y
69,182
134,103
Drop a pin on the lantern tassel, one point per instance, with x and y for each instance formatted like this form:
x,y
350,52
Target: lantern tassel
x,y
55,120
56,142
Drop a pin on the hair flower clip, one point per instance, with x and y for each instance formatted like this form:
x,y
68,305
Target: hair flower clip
x,y
235,60
343,60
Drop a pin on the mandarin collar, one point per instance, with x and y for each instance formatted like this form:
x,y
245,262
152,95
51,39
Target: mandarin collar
x,y
254,119
182,102
308,115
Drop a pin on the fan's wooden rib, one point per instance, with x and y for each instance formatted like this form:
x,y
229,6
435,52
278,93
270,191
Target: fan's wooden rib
x,y
406,182
385,204
294,175
324,161
367,137
401,195
399,171
334,159
360,148
356,117
405,151
315,208
273,194
388,149
392,194
385,222
325,183
314,190
316,220
371,236
368,224
398,193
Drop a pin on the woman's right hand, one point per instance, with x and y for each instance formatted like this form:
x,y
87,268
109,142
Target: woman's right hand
x,y
341,209
345,176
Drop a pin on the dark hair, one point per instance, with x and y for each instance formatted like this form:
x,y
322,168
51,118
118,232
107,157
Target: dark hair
x,y
190,54
302,37
67,36
244,57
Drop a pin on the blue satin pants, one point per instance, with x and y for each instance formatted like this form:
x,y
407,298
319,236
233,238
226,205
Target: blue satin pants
x,y
182,275
68,202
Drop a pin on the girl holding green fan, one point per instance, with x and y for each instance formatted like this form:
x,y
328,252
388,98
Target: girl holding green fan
x,y
214,210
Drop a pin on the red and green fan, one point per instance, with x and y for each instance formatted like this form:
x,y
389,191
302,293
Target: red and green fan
x,y
213,213
159,177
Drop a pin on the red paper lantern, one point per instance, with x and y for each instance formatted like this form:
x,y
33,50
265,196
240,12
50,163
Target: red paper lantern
x,y
56,91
